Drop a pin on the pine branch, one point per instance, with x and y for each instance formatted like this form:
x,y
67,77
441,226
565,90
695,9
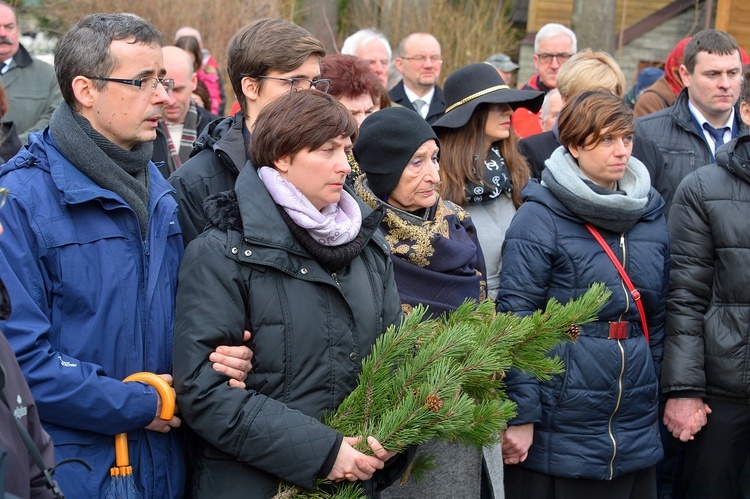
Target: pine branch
x,y
442,379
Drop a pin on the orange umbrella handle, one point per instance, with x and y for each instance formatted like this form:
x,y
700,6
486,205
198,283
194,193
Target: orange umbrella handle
x,y
167,411
162,388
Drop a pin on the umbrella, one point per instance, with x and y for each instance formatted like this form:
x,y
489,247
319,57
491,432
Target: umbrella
x,y
122,485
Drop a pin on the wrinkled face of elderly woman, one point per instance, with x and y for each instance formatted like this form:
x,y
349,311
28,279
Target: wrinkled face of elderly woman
x,y
417,187
319,174
605,162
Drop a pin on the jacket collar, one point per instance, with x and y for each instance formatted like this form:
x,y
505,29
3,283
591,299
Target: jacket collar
x,y
22,58
225,138
680,112
735,157
74,186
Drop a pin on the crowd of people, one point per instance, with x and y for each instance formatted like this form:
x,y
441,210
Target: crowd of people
x,y
252,260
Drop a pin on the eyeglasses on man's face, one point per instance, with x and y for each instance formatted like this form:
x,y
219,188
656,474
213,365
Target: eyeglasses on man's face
x,y
321,84
421,59
546,57
149,83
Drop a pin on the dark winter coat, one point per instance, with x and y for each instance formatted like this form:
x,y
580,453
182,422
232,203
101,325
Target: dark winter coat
x,y
215,161
161,149
706,349
310,331
682,145
597,420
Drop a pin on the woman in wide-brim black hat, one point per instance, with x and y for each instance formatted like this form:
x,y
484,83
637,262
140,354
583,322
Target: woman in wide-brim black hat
x,y
482,170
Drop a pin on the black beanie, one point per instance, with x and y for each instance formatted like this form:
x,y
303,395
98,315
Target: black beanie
x,y
387,141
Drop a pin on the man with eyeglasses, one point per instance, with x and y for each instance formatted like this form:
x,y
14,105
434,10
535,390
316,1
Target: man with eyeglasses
x,y
91,256
419,61
266,59
554,44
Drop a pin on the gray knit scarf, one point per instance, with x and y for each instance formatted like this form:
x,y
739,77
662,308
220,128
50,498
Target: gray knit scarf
x,y
111,167
617,211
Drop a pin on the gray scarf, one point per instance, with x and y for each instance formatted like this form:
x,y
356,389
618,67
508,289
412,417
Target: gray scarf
x,y
111,167
617,211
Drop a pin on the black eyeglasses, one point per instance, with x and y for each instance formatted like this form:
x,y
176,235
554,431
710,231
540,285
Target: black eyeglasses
x,y
321,84
546,58
151,81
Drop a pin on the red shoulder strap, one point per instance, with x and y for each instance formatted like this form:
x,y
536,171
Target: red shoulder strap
x,y
633,292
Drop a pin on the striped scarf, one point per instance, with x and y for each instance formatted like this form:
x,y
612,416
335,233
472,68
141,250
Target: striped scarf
x,y
189,134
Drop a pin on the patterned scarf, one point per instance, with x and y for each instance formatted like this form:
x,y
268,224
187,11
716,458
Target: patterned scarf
x,y
334,225
495,180
189,134
436,259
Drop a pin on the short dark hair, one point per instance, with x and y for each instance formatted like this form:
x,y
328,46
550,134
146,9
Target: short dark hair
x,y
350,77
302,120
266,45
745,89
582,120
713,41
84,50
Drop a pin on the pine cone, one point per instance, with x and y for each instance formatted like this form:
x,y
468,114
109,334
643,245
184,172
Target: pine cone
x,y
573,331
433,402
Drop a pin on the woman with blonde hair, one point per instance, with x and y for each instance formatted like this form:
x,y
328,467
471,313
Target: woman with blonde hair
x,y
482,170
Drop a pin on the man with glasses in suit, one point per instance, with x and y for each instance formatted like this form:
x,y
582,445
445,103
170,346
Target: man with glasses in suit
x,y
419,61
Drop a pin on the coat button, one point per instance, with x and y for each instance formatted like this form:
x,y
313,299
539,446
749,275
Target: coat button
x,y
248,253
303,271
353,357
235,251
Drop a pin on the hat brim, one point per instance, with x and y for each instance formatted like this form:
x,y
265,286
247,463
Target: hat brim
x,y
460,116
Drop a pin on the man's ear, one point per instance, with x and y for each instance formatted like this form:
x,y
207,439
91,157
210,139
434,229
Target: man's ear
x,y
684,75
745,112
84,91
399,64
250,88
194,82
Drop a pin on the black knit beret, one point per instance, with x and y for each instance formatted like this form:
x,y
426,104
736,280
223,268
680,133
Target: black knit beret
x,y
387,141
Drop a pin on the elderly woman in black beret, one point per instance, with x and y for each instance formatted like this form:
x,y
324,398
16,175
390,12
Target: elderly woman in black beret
x,y
436,257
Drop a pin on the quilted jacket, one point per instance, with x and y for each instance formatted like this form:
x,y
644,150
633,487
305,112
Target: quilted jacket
x,y
310,330
597,420
706,350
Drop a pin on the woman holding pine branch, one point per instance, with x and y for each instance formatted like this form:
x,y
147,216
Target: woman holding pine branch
x,y
591,431
293,257
437,261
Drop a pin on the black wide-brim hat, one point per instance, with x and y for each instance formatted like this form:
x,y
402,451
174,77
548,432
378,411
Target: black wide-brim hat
x,y
480,83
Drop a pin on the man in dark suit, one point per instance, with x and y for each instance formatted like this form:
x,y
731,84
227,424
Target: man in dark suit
x,y
419,61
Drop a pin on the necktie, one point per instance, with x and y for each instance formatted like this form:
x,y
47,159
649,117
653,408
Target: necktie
x,y
2,68
419,104
716,133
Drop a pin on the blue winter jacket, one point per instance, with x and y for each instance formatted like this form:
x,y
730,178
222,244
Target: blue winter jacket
x,y
597,420
92,303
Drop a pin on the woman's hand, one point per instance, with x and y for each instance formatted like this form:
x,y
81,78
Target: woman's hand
x,y
235,362
516,443
353,465
684,417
